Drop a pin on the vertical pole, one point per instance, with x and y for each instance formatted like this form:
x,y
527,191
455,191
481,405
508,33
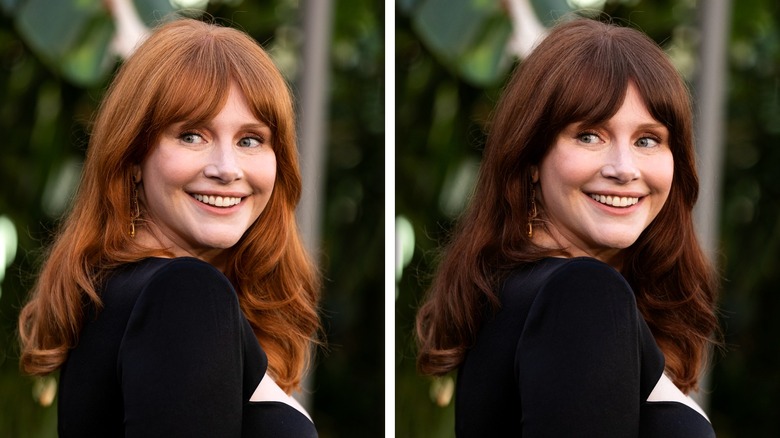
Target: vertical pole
x,y
313,113
710,94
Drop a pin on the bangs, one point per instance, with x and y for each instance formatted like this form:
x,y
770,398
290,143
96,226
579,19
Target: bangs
x,y
591,78
195,85
597,89
193,92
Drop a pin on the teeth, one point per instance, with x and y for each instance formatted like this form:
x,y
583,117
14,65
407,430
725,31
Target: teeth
x,y
615,201
217,201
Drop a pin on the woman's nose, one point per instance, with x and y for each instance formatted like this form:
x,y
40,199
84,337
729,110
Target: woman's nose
x,y
223,164
621,164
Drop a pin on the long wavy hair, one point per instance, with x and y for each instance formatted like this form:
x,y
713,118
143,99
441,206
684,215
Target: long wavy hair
x,y
579,73
182,72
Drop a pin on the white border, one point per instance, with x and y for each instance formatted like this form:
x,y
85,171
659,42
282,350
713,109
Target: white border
x,y
389,219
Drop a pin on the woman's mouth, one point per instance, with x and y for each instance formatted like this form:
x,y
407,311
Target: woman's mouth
x,y
615,201
217,201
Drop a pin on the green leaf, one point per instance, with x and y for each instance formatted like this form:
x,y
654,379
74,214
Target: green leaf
x,y
487,61
8,6
72,37
52,29
450,27
470,36
90,61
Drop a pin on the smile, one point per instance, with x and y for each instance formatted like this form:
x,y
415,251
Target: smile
x,y
615,201
217,201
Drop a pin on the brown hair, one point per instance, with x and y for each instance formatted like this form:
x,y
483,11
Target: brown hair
x,y
182,72
579,73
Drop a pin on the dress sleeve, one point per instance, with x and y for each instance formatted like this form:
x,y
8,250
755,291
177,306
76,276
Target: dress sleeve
x,y
180,361
578,359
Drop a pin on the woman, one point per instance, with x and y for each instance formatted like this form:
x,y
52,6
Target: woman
x,y
177,298
574,299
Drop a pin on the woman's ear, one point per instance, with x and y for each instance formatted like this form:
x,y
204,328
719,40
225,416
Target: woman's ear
x,y
136,173
534,174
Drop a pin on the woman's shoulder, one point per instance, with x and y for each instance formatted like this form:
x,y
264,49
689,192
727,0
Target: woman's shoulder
x,y
152,266
149,270
553,269
586,273
583,310
180,298
156,278
186,277
582,280
555,266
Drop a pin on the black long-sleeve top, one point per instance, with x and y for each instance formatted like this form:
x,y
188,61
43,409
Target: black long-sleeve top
x,y
170,354
567,355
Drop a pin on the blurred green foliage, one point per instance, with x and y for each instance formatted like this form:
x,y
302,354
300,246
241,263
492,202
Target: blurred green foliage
x,y
441,117
470,36
48,93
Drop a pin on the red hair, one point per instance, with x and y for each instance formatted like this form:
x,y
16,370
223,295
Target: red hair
x,y
183,72
579,73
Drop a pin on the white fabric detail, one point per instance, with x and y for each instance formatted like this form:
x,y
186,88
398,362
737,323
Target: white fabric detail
x,y
665,390
269,391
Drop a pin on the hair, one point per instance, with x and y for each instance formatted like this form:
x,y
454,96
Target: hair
x,y
182,72
579,73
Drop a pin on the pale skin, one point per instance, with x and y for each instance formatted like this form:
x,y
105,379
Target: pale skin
x,y
230,159
626,163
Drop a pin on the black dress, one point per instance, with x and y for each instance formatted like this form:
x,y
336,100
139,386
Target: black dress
x,y
567,355
169,355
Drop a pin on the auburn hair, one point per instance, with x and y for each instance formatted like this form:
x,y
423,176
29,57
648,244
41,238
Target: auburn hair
x,y
182,72
579,73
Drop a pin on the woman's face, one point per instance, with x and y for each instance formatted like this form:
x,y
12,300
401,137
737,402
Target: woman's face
x,y
203,186
601,186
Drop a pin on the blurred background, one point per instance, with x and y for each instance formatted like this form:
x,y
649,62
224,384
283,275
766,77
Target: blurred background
x,y
453,57
57,57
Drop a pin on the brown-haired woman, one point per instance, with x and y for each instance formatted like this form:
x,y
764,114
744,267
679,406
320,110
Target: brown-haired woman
x,y
177,298
574,299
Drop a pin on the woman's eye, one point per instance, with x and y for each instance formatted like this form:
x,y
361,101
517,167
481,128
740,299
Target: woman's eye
x,y
249,142
647,142
588,137
191,138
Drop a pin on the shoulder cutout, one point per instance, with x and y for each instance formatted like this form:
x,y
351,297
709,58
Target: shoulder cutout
x,y
666,391
269,391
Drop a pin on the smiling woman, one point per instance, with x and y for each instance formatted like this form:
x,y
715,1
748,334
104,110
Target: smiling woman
x,y
204,186
574,298
177,298
602,185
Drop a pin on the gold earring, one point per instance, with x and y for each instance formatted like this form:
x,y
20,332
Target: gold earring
x,y
135,211
531,213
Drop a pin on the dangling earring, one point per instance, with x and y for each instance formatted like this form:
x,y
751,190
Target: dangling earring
x,y
135,211
531,212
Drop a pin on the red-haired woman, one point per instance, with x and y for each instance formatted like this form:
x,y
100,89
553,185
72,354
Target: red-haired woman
x,y
177,298
574,298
